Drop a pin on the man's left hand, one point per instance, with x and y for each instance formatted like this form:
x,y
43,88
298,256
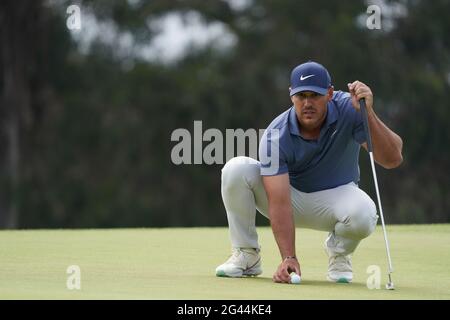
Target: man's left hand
x,y
359,90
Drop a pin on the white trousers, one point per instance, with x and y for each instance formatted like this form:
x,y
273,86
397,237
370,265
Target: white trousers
x,y
346,212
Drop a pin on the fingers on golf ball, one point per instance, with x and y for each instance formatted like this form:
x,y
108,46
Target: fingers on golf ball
x,y
295,278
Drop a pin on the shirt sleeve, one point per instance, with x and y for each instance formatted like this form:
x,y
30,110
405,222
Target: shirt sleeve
x,y
272,158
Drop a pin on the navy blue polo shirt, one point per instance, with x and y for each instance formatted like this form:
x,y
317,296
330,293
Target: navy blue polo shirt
x,y
314,165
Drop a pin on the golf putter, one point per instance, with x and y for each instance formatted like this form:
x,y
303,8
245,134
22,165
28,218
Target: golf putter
x,y
362,104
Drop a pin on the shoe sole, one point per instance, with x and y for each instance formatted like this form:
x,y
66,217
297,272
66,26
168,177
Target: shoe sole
x,y
340,280
221,273
246,273
251,272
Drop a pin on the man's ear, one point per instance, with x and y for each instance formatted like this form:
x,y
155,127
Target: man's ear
x,y
292,97
330,93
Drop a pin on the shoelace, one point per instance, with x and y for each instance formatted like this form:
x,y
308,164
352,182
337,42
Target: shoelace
x,y
340,262
236,253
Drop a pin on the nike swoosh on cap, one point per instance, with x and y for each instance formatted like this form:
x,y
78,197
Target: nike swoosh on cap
x,y
303,78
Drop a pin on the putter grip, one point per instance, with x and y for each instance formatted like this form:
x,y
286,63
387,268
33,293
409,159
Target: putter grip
x,y
362,105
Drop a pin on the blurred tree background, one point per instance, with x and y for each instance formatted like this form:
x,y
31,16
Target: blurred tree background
x,y
86,116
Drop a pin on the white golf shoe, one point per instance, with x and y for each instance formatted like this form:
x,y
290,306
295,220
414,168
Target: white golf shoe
x,y
243,262
339,266
340,269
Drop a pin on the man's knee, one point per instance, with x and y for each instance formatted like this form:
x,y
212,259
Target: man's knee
x,y
239,170
361,218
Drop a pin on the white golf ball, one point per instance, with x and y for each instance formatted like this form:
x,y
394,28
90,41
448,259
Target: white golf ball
x,y
295,278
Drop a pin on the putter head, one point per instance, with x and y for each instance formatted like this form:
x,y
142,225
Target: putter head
x,y
390,286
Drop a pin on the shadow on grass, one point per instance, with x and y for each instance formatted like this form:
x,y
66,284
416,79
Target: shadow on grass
x,y
316,283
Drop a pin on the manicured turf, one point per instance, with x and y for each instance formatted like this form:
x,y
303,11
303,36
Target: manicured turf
x,y
180,263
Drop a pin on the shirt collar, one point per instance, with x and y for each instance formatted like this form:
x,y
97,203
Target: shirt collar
x,y
332,117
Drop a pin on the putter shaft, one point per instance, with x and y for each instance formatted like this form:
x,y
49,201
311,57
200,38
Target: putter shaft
x,y
362,104
391,269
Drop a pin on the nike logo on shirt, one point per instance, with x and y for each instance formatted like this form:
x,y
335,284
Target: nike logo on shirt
x,y
306,77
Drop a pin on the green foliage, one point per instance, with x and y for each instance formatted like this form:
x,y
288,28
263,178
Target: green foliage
x,y
100,154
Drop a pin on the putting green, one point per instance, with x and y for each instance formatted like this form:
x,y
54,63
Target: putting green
x,y
179,263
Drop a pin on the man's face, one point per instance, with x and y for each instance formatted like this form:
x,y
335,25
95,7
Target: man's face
x,y
311,108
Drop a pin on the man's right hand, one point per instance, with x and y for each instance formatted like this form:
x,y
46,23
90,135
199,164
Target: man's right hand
x,y
282,275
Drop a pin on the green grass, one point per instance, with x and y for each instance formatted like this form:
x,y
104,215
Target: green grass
x,y
179,264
